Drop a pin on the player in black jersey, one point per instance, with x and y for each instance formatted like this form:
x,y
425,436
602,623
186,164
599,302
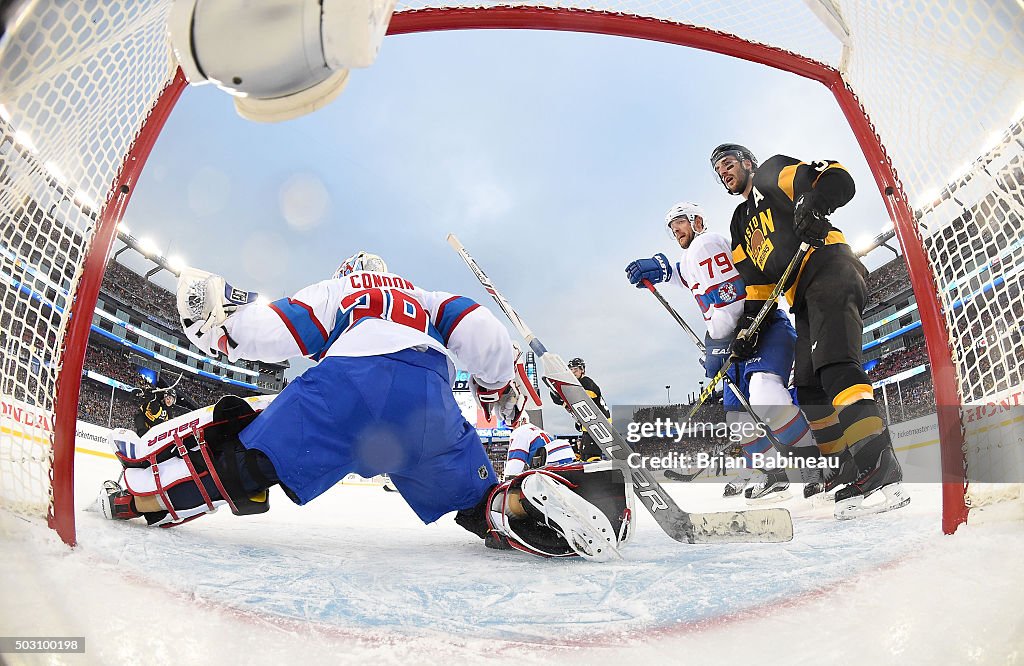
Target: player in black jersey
x,y
787,202
155,408
586,448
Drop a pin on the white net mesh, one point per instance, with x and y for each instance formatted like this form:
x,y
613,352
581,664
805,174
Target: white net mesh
x,y
942,85
76,83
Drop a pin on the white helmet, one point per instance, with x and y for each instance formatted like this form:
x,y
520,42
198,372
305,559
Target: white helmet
x,y
691,212
361,261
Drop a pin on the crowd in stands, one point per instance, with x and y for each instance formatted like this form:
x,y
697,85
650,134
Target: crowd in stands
x,y
135,290
887,281
912,399
95,398
900,360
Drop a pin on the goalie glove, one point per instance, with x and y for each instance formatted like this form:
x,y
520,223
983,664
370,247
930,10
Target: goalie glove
x,y
208,300
506,403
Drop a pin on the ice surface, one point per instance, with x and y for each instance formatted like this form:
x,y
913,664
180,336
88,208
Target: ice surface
x,y
354,576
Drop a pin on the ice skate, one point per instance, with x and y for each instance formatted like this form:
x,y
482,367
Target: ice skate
x,y
834,477
586,529
884,475
736,485
115,503
775,488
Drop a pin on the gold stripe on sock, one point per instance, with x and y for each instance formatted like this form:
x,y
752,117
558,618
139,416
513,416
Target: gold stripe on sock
x,y
863,429
853,394
833,447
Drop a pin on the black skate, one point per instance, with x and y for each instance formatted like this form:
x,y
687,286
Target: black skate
x,y
884,475
775,488
834,477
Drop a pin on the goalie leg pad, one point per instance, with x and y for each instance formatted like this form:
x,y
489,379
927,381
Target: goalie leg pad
x,y
231,415
570,511
198,471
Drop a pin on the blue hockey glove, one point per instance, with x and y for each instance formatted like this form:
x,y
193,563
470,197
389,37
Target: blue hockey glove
x,y
716,351
810,218
656,269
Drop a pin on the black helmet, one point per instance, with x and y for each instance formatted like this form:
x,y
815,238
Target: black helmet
x,y
577,363
171,392
734,149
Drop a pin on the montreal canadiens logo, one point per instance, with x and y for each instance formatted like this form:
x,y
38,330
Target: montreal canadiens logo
x,y
727,292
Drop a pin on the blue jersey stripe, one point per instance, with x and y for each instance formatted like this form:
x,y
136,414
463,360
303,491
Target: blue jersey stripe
x,y
302,323
519,454
451,313
723,293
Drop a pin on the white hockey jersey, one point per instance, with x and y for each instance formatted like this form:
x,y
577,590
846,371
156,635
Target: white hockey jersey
x,y
707,271
526,441
371,314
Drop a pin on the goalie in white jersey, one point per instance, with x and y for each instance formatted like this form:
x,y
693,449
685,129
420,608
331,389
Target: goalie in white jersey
x,y
706,270
379,400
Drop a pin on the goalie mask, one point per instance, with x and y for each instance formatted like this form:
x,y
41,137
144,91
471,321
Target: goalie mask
x,y
361,261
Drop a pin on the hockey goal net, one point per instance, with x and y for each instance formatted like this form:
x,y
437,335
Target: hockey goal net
x,y
934,93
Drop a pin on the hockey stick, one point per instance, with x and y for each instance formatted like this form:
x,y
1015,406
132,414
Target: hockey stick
x,y
761,525
769,303
779,446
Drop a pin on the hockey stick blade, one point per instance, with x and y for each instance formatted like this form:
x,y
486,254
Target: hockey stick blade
x,y
673,475
767,525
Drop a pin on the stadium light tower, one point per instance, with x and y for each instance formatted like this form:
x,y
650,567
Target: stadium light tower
x,y
668,394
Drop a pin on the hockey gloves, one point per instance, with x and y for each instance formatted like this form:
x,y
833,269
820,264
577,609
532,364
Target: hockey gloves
x,y
504,402
747,338
656,269
810,218
715,353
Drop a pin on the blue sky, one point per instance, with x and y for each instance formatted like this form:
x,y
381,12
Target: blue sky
x,y
553,156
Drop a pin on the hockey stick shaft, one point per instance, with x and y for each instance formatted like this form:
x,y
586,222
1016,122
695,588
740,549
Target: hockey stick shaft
x,y
767,525
782,448
769,303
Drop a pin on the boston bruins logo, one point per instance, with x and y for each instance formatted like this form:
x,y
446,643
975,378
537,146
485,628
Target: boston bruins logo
x,y
756,239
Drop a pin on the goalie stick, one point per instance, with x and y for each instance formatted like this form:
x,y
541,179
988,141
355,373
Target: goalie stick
x,y
769,303
761,525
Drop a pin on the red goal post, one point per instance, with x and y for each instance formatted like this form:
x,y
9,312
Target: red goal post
x,y
85,88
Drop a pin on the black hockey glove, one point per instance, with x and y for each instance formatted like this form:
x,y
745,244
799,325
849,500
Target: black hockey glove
x,y
747,340
810,218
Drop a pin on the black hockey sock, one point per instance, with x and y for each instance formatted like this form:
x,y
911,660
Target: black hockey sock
x,y
854,399
822,417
